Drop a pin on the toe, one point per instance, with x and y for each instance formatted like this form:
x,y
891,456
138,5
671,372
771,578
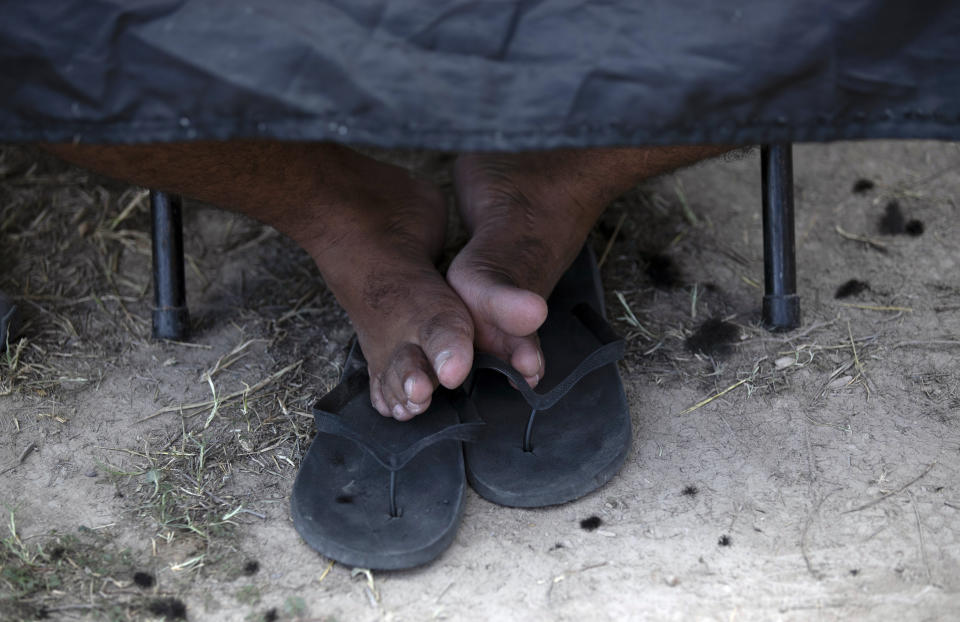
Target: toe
x,y
515,311
447,341
527,359
376,397
408,382
418,386
522,353
494,299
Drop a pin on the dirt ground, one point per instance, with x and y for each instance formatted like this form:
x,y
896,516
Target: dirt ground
x,y
144,480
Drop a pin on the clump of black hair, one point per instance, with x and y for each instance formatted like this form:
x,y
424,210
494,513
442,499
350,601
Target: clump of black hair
x,y
862,186
169,608
590,523
663,273
714,337
892,222
853,287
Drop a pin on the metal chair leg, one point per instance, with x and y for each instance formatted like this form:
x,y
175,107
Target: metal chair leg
x,y
781,305
170,317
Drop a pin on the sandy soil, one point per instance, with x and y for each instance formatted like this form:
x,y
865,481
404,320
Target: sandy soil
x,y
821,485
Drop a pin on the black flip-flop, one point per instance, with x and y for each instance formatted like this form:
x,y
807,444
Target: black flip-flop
x,y
377,493
572,434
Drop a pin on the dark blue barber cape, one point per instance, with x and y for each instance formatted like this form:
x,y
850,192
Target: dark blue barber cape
x,y
479,74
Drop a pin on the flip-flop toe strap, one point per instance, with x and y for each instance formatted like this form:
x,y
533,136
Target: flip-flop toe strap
x,y
330,423
612,350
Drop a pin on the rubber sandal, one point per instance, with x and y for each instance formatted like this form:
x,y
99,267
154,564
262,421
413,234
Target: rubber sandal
x,y
377,493
572,434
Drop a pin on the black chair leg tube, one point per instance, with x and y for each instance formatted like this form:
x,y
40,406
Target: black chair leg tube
x,y
170,317
781,305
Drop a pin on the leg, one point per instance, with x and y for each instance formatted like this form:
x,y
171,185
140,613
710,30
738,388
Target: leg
x,y
373,231
170,317
781,305
529,215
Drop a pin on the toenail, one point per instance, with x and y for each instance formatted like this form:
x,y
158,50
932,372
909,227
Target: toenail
x,y
441,360
398,412
414,408
539,362
408,386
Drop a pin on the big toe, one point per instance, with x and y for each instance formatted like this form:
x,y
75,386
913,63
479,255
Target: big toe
x,y
447,342
506,316
494,298
517,312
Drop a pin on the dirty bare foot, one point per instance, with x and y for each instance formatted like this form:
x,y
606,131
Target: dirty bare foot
x,y
373,230
413,329
528,215
379,262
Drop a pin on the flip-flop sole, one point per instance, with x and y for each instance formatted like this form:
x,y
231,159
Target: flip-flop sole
x,y
575,446
341,502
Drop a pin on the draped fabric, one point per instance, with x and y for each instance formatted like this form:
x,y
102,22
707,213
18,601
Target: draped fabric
x,y
479,74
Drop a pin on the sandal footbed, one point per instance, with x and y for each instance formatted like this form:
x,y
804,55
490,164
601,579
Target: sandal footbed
x,y
341,497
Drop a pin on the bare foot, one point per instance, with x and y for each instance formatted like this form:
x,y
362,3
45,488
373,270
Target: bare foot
x,y
413,328
372,229
529,214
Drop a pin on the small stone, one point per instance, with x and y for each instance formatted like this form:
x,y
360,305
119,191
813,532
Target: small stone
x,y
785,361
840,382
671,580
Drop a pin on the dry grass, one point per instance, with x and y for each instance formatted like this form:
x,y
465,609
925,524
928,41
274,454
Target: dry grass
x,y
82,250
63,232
658,321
